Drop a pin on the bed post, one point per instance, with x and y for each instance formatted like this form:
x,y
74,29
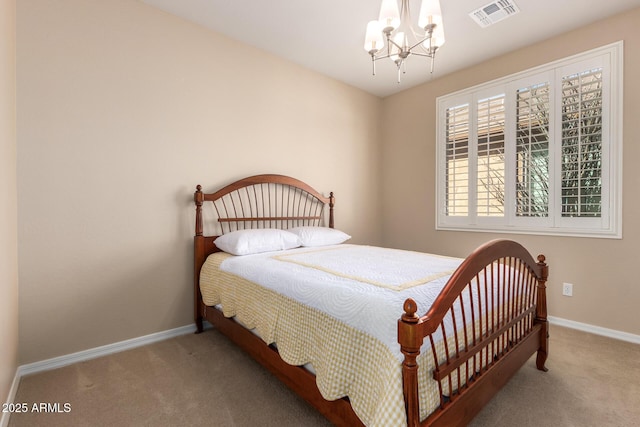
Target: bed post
x,y
198,255
410,338
541,314
332,201
198,197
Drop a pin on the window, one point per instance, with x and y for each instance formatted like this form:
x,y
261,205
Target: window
x,y
537,152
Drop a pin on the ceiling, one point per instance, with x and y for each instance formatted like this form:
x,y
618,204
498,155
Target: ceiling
x,y
328,35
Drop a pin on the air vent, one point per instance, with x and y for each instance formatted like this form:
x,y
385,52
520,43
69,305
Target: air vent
x,y
493,12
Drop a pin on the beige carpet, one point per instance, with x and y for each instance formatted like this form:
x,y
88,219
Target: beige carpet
x,y
203,380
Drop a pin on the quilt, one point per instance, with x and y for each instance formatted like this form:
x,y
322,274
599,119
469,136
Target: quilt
x,y
335,308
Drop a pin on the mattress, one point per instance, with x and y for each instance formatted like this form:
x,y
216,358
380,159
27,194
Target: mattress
x,y
335,308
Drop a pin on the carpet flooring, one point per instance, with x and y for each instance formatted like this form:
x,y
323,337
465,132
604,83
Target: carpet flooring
x,y
204,380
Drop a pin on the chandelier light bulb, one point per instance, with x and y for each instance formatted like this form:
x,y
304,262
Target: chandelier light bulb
x,y
373,41
389,15
430,13
437,39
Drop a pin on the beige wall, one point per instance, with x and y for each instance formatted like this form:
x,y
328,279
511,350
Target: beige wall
x,y
8,201
606,291
123,109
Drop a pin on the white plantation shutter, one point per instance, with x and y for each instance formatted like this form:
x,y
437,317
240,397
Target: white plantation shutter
x,y
538,152
532,151
582,144
490,180
457,160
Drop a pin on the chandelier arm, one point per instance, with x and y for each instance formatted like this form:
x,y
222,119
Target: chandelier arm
x,y
419,43
375,58
392,42
426,55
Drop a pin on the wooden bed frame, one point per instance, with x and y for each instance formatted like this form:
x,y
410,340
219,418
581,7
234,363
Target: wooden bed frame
x,y
487,348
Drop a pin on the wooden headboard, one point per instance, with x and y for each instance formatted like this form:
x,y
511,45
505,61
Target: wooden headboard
x,y
264,201
260,201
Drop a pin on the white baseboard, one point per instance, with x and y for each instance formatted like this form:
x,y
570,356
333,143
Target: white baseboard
x,y
4,421
92,353
58,362
597,330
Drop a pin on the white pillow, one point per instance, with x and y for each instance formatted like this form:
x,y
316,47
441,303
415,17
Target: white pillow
x,y
319,236
253,241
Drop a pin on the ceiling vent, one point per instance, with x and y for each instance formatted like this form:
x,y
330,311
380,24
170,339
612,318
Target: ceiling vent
x,y
493,12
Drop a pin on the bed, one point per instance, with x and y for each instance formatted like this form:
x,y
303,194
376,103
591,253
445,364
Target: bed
x,y
485,316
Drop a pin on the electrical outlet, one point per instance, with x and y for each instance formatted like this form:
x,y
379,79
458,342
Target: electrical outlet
x,y
567,289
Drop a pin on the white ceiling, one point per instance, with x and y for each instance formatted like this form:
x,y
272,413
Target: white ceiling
x,y
328,35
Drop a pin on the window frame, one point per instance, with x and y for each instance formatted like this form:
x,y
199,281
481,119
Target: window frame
x,y
609,224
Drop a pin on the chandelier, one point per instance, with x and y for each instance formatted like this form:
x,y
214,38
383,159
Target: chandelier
x,y
402,39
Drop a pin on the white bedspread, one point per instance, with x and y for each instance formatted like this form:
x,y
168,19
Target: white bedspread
x,y
362,286
337,309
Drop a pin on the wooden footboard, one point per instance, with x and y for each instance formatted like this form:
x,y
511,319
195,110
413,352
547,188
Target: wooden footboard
x,y
487,321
